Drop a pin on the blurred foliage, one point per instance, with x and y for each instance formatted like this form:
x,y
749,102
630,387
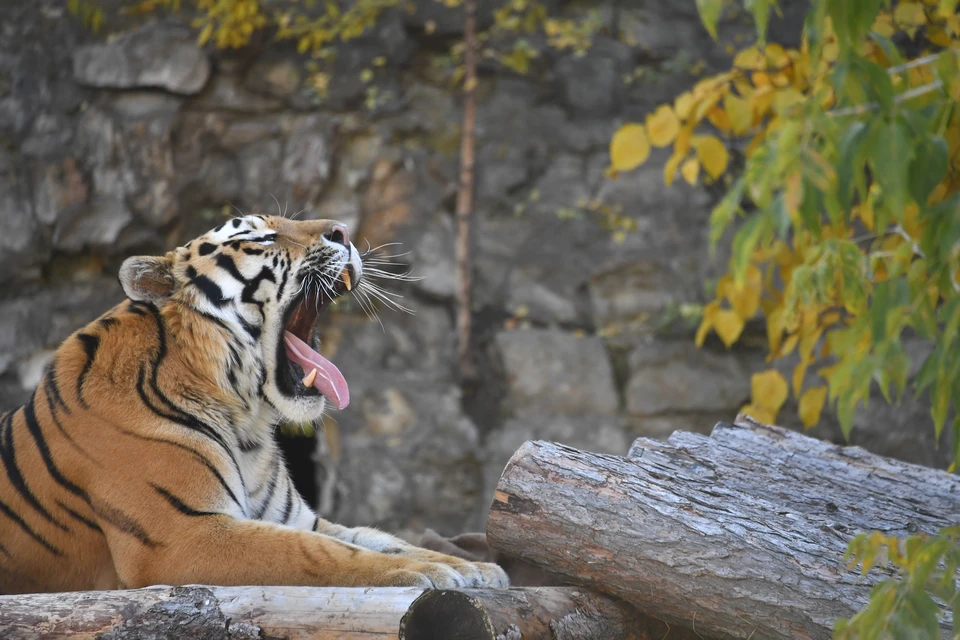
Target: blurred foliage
x,y
847,232
908,607
845,211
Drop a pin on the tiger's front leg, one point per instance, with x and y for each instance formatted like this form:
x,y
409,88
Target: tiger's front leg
x,y
474,574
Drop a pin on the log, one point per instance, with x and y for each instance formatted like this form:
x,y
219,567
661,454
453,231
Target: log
x,y
740,534
544,613
208,613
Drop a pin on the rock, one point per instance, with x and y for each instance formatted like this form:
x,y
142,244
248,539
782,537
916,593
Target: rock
x,y
305,168
442,20
562,186
97,224
528,297
432,255
599,434
227,93
260,171
239,133
557,372
48,136
156,55
20,241
593,83
274,76
58,187
629,293
387,412
677,377
502,168
133,106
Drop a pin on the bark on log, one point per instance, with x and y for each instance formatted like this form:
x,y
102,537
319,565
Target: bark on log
x,y
742,533
543,613
208,613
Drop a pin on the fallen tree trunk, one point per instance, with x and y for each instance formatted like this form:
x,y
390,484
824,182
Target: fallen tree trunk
x,y
741,533
208,613
302,613
544,613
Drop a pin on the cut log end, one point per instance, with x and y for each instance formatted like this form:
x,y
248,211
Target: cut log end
x,y
441,614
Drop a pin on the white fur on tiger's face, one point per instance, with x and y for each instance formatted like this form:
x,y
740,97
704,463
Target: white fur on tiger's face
x,y
266,279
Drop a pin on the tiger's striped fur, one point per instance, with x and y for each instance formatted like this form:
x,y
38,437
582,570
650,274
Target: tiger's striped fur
x,y
147,455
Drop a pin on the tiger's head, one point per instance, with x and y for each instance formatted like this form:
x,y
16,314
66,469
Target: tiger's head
x,y
265,280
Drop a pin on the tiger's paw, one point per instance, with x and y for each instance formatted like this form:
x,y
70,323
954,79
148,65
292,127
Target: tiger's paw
x,y
440,575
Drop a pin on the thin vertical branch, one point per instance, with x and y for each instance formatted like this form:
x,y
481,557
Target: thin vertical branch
x,y
465,193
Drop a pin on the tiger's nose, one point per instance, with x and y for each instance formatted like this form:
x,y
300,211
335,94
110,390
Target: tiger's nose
x,y
338,234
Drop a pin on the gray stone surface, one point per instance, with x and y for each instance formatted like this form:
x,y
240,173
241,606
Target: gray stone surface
x,y
156,55
557,371
677,377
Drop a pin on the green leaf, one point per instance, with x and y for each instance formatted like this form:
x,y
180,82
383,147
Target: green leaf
x,y
744,243
878,84
888,154
889,49
928,168
761,16
851,161
710,15
725,211
924,615
940,403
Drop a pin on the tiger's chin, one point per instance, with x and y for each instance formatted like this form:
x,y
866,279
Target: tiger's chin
x,y
303,383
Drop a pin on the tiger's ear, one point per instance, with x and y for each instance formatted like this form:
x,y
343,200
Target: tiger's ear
x,y
148,278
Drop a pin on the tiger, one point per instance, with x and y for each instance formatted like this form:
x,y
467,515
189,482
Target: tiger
x,y
147,454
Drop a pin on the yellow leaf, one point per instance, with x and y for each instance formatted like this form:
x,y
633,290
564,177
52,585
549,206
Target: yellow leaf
x,y
750,59
768,389
883,25
728,325
670,168
683,105
799,372
808,342
713,155
761,99
629,147
793,194
787,98
739,113
760,414
719,118
777,58
709,315
690,170
682,144
909,14
708,102
775,330
205,34
662,126
811,405
745,297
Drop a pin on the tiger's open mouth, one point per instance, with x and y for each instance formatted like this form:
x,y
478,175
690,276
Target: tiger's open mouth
x,y
301,370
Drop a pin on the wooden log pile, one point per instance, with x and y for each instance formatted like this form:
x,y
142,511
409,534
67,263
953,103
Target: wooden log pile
x,y
740,534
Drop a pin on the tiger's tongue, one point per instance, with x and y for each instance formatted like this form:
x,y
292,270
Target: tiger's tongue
x,y
329,381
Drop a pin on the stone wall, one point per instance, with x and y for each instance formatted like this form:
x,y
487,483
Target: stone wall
x,y
139,141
